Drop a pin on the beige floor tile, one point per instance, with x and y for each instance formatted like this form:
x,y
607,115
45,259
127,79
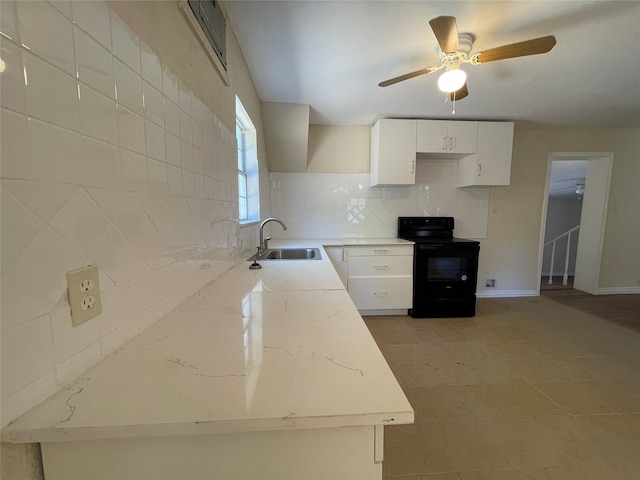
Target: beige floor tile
x,y
552,370
514,474
582,398
566,440
418,352
586,471
528,389
621,432
447,331
607,369
479,401
529,347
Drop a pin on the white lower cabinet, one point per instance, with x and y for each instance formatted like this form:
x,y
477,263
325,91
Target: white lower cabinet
x,y
338,257
380,277
381,293
338,453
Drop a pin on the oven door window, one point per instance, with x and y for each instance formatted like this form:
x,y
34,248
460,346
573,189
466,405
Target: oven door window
x,y
446,269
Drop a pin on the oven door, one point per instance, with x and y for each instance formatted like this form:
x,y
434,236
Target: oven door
x,y
445,270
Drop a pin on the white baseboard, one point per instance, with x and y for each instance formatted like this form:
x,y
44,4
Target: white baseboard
x,y
616,290
506,293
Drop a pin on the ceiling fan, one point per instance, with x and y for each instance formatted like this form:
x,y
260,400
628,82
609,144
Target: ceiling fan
x,y
455,50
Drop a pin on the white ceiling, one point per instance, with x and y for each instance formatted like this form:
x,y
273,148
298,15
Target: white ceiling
x,y
331,55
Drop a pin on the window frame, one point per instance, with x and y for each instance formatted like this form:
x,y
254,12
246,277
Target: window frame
x,y
248,166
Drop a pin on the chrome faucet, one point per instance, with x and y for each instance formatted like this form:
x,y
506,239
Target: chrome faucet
x,y
264,245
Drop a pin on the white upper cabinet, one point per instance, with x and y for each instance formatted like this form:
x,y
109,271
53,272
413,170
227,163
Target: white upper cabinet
x,y
443,136
393,152
491,165
482,150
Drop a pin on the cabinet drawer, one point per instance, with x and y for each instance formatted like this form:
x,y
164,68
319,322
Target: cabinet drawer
x,y
383,266
377,250
373,293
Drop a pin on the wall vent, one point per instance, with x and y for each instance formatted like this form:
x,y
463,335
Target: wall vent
x,y
211,18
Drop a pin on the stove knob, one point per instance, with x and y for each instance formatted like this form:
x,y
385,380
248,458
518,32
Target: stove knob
x,y
464,277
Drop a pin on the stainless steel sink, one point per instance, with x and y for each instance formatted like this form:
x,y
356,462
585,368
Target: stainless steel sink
x,y
289,254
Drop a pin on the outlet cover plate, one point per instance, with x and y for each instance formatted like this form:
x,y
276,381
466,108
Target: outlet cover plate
x,y
84,294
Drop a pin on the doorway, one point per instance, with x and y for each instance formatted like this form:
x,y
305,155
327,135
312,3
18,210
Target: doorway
x,y
585,178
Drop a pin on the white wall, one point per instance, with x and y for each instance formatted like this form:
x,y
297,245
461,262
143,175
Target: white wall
x,y
112,156
339,148
286,135
510,252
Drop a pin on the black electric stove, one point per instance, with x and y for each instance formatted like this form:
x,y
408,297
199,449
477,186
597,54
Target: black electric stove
x,y
445,268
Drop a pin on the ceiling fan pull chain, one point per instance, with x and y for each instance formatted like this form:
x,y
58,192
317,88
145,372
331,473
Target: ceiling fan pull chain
x,y
453,109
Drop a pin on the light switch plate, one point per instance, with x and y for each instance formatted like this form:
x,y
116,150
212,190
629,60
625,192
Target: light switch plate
x,y
84,294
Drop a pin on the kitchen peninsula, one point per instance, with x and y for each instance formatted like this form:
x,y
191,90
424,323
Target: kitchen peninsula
x,y
267,373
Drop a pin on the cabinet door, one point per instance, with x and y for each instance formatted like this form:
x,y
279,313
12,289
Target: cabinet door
x,y
462,137
431,136
492,163
393,152
381,293
443,136
338,257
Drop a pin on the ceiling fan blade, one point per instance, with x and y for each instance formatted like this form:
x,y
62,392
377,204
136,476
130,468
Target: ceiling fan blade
x,y
446,31
407,76
520,49
460,93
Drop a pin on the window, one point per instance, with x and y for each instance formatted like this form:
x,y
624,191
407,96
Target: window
x,y
248,178
242,172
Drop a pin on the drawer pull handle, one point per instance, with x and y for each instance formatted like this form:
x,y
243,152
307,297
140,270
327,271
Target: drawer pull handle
x,y
380,250
379,294
380,267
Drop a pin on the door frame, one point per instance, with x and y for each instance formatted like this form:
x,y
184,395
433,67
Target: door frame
x,y
605,185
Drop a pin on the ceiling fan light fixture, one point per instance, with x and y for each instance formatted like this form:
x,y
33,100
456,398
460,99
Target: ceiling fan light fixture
x,y
452,80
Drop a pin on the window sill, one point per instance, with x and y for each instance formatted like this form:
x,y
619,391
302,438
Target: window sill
x,y
248,223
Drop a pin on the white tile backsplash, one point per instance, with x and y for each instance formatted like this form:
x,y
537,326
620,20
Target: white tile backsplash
x,y
153,105
93,18
130,130
97,115
343,205
15,154
13,77
150,66
126,44
81,222
94,63
47,33
128,87
50,94
106,158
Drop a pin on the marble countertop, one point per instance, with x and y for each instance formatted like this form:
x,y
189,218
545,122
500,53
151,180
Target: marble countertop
x,y
278,348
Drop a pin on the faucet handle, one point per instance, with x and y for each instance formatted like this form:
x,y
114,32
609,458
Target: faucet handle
x,y
266,243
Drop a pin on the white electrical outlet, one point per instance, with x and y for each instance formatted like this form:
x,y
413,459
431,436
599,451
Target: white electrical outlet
x,y
84,294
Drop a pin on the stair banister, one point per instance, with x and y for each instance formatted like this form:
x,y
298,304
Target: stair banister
x,y
552,242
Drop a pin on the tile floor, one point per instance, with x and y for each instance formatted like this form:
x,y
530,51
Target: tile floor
x,y
527,389
621,309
